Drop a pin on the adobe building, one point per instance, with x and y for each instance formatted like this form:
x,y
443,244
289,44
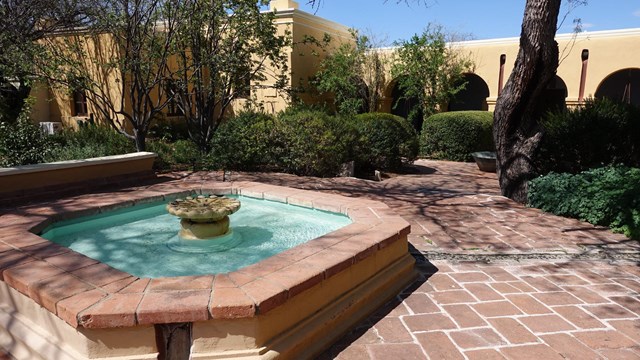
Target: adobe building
x,y
592,64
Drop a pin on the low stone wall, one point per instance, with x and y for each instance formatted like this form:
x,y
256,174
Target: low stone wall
x,y
21,180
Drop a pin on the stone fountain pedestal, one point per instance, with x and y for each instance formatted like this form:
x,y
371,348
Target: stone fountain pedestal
x,y
203,218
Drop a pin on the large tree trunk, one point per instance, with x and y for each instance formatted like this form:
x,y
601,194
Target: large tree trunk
x,y
516,130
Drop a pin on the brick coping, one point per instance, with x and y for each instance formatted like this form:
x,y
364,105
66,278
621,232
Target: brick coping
x,y
86,293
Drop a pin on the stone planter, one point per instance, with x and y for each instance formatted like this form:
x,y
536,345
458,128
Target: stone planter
x,y
486,160
21,180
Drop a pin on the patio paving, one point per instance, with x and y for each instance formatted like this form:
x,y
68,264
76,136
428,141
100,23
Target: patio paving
x,y
496,279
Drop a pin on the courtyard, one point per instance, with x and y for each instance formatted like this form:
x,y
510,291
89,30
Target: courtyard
x,y
496,279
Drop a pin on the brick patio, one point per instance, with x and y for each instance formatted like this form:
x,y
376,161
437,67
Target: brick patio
x,y
498,280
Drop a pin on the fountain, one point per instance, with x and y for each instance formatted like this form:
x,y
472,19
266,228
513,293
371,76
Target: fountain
x,y
203,218
290,303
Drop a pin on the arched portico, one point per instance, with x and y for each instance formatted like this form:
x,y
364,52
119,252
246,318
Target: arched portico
x,y
473,96
622,85
554,97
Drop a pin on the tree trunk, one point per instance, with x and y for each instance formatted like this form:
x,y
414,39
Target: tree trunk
x,y
140,137
516,130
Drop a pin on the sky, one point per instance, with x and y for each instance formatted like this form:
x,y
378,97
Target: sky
x,y
475,19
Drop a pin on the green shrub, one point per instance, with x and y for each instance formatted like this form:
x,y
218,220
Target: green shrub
x,y
608,196
169,130
299,141
186,152
88,142
22,142
599,133
165,160
455,135
314,143
385,141
246,142
178,155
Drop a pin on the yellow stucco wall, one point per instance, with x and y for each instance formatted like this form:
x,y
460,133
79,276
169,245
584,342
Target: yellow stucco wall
x,y
609,51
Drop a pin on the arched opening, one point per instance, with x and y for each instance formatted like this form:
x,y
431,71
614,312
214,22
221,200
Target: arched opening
x,y
406,107
554,96
473,96
622,85
363,94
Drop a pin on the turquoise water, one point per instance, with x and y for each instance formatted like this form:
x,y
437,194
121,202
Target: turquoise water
x,y
143,240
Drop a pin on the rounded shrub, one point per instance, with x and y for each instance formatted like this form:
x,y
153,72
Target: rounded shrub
x,y
455,135
248,141
22,143
313,142
385,141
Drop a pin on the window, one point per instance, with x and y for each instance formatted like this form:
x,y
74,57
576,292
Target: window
x,y
80,103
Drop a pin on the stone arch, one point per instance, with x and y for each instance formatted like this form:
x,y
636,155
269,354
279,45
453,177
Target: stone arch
x,y
622,85
554,97
473,96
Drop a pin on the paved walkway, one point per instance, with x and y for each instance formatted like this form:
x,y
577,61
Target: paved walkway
x,y
497,280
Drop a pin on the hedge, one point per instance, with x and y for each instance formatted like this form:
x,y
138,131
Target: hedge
x,y
312,142
599,133
385,141
455,135
246,142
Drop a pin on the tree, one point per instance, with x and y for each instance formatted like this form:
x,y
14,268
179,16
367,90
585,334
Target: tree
x,y
121,62
226,50
23,23
429,69
517,132
354,74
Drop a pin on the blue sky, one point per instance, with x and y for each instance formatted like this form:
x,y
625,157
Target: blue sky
x,y
482,19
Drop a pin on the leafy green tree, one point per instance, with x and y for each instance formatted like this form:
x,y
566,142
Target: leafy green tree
x,y
430,70
226,50
354,74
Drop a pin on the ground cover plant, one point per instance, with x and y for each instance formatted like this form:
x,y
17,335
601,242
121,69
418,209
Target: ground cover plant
x,y
88,141
607,196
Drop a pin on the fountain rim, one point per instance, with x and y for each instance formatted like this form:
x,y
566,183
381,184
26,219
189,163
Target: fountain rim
x,y
246,293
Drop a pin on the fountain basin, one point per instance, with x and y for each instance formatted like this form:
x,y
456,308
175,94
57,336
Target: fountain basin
x,y
290,305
